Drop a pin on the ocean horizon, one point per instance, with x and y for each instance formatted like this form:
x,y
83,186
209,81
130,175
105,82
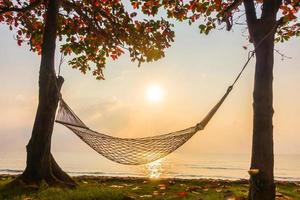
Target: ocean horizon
x,y
212,166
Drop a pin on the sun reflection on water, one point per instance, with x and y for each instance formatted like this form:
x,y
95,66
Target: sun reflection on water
x,y
154,170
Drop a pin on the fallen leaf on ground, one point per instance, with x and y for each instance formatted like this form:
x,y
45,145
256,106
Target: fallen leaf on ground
x,y
182,194
162,186
193,188
283,197
218,190
146,196
117,186
278,194
128,198
136,188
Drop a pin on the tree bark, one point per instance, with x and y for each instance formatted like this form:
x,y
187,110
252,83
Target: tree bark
x,y
41,165
262,185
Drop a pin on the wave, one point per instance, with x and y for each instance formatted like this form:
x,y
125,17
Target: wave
x,y
76,173
214,168
286,178
10,171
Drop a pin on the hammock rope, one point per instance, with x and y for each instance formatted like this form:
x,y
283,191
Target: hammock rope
x,y
137,151
132,151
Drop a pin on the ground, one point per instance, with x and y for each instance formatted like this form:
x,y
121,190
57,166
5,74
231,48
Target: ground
x,y
106,188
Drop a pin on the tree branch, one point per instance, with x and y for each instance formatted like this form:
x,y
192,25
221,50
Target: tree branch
x,y
270,8
233,6
250,16
29,7
92,22
283,56
280,22
226,13
85,17
250,11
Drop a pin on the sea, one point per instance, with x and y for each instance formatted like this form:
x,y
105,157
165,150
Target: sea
x,y
212,166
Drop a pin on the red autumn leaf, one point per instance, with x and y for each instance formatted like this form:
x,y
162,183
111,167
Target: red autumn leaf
x,y
19,42
182,194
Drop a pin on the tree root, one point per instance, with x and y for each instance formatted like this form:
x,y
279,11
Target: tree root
x,y
54,177
59,174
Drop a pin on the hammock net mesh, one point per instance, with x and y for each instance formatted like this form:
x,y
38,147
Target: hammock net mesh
x,y
129,151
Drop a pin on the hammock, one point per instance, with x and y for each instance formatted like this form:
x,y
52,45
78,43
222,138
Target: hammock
x,y
131,151
137,151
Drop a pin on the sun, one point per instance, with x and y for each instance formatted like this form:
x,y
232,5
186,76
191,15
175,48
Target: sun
x,y
154,93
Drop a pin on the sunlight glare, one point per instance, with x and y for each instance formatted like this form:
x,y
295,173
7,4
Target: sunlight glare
x,y
154,93
154,170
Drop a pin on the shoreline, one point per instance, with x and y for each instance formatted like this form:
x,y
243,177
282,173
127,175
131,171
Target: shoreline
x,y
135,178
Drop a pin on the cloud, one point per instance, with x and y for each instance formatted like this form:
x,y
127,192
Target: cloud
x,y
92,112
18,111
120,76
107,115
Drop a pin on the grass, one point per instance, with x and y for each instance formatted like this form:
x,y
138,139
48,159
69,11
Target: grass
x,y
106,188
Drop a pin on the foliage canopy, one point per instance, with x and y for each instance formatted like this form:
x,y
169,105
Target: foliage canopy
x,y
91,31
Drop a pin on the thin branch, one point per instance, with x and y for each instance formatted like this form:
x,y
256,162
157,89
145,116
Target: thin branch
x,y
92,22
283,56
282,21
113,22
226,13
29,7
233,6
237,19
85,17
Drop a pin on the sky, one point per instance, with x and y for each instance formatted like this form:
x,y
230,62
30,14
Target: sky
x,y
193,76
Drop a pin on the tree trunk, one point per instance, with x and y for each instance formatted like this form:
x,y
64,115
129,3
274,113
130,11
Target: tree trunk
x,y
41,165
262,185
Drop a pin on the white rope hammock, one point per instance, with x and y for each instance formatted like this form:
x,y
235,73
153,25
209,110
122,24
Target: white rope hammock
x,y
131,151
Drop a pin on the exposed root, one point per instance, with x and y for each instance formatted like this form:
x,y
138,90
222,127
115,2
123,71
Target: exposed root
x,y
55,177
23,182
60,174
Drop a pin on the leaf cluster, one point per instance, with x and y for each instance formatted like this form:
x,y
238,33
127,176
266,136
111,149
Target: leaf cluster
x,y
91,31
210,14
